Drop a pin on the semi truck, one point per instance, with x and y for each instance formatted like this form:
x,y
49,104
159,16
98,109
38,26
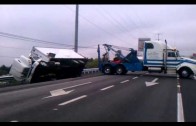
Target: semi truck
x,y
157,57
44,64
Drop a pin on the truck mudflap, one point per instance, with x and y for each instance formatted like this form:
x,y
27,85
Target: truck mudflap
x,y
58,69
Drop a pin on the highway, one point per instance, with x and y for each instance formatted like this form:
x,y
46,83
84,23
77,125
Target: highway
x,y
104,98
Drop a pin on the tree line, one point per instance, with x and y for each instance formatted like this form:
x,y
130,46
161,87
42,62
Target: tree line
x,y
4,70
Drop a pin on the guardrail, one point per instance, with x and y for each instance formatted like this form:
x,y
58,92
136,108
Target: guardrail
x,y
85,71
7,77
90,70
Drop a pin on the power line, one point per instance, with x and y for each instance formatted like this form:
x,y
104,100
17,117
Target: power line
x,y
137,26
13,47
97,26
136,14
8,56
8,35
3,34
119,24
113,21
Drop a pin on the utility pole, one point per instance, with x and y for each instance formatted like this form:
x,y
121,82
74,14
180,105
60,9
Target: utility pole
x,y
76,29
158,36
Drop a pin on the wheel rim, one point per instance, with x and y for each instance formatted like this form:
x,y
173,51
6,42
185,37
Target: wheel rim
x,y
119,70
107,70
185,73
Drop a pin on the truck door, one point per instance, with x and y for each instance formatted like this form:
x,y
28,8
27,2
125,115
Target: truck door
x,y
172,59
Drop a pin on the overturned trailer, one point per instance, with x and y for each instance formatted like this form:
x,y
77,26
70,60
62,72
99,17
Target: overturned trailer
x,y
44,64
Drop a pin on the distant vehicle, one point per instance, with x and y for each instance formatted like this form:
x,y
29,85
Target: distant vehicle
x,y
45,64
157,57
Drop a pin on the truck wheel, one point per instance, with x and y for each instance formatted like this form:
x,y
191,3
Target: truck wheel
x,y
120,70
107,69
126,71
185,72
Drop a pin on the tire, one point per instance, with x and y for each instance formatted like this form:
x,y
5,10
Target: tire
x,y
120,70
184,72
107,70
125,72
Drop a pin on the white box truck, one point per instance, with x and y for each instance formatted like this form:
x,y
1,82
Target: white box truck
x,y
45,64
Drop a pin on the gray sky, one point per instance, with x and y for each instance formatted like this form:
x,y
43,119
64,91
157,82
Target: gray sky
x,y
120,25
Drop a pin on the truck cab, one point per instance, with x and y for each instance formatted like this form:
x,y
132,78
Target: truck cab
x,y
159,56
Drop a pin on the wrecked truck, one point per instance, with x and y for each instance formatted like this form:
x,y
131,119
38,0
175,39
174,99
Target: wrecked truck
x,y
44,64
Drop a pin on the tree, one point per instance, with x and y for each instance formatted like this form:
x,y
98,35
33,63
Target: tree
x,y
4,70
92,63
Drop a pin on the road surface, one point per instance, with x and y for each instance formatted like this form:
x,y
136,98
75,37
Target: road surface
x,y
107,98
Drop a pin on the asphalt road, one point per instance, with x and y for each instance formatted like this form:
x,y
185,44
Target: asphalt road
x,y
108,98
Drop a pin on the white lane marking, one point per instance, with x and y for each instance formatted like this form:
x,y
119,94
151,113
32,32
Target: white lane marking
x,y
107,87
14,121
135,77
153,82
178,86
180,111
77,85
55,109
70,101
124,81
58,92
155,79
62,92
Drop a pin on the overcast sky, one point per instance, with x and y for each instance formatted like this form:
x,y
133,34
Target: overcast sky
x,y
119,25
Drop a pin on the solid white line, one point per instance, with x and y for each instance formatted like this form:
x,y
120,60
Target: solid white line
x,y
135,77
180,112
124,81
75,99
107,87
